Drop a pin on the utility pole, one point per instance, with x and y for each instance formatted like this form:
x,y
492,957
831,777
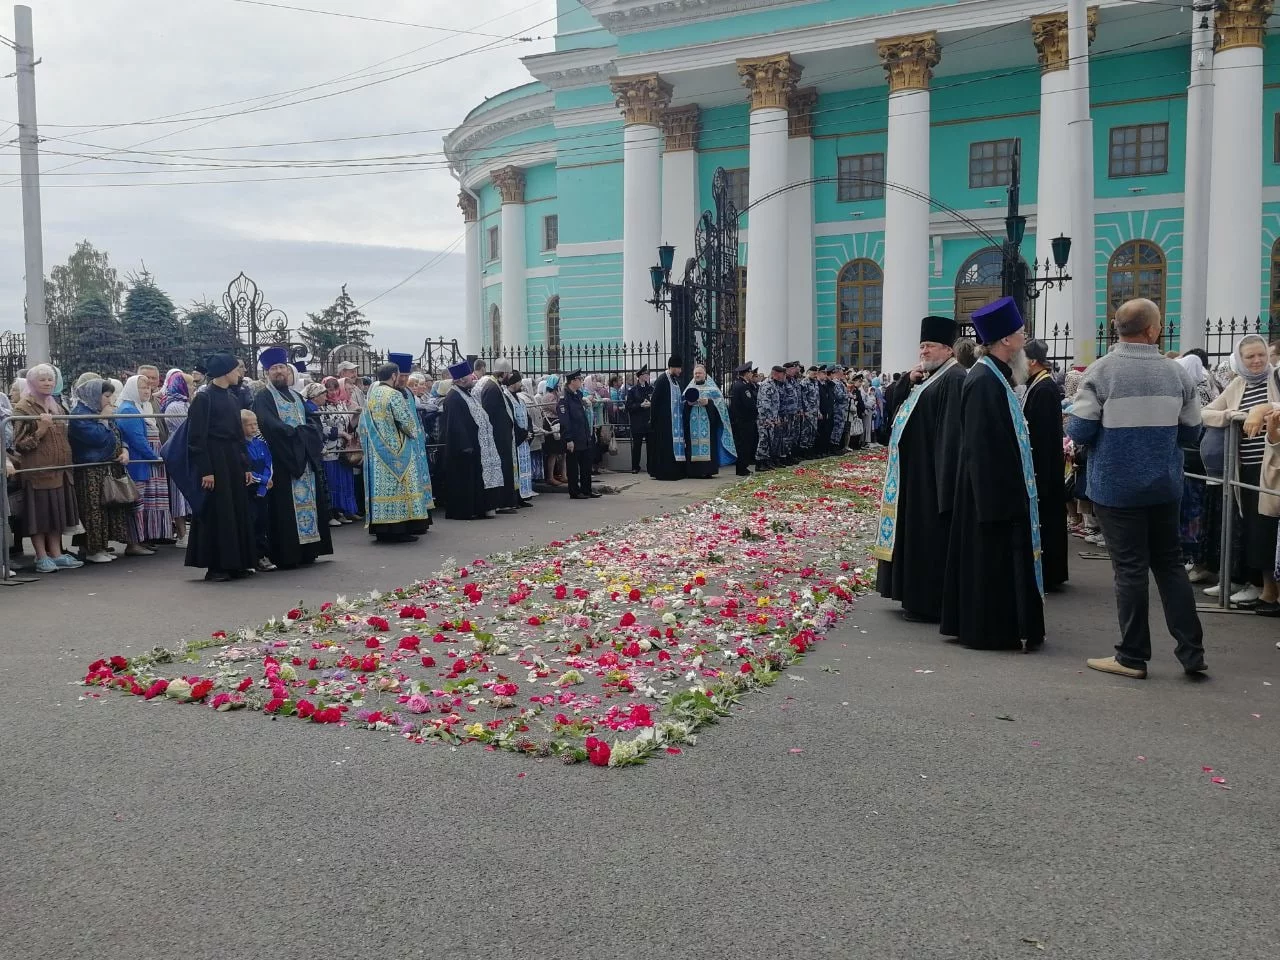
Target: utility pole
x,y
1195,224
1085,271
37,326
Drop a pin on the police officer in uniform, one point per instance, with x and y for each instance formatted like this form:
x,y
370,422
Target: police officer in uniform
x,y
743,412
639,402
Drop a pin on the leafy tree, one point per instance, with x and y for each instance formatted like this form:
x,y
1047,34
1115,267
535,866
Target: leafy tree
x,y
207,331
86,274
339,323
150,324
95,341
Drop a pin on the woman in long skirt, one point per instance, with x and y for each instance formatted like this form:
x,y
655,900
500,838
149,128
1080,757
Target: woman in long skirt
x,y
152,521
335,424
174,403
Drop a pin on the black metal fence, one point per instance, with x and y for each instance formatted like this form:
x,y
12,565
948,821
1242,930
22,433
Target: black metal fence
x,y
603,359
1220,335
13,356
1107,337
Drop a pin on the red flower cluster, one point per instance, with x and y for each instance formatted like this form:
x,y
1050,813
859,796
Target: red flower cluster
x,y
597,752
408,643
379,623
413,613
294,614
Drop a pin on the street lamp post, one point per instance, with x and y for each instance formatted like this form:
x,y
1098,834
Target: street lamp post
x,y
1016,279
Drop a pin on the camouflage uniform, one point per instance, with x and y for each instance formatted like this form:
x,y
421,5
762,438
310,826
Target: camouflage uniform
x,y
840,414
808,414
770,449
789,411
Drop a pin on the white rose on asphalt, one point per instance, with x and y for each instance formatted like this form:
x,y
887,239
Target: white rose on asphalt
x,y
178,689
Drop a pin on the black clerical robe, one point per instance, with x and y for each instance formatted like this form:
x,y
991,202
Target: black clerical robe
x,y
462,476
1043,409
826,414
663,464
928,456
221,537
295,449
990,600
743,413
494,400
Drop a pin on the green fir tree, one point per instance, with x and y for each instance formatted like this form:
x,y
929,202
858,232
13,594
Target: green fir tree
x,y
338,324
207,331
95,341
150,324
86,274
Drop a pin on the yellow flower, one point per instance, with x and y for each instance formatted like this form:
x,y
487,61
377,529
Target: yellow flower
x,y
763,601
475,730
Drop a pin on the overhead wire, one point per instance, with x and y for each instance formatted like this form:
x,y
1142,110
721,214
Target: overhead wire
x,y
356,16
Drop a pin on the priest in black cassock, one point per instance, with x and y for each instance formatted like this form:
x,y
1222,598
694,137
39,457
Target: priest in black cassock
x,y
298,526
1042,406
211,472
994,593
472,475
499,404
916,505
666,427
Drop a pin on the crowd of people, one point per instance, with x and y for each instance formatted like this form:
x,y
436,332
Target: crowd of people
x,y
252,475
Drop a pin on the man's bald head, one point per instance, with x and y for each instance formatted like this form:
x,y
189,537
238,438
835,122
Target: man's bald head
x,y
1139,321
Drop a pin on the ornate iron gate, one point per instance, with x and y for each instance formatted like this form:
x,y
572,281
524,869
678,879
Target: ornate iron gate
x,y
13,356
256,322
706,323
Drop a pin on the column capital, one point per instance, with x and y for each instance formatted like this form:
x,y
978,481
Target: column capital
x,y
510,183
800,112
770,80
680,128
909,60
641,98
1049,34
470,209
1241,23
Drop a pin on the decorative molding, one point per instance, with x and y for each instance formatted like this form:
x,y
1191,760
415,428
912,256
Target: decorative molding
x,y
470,208
477,175
641,98
510,183
1241,23
600,248
586,116
524,113
909,61
621,17
800,112
770,80
1049,34
680,128
571,69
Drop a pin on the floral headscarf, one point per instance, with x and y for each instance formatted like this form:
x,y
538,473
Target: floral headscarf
x,y
176,389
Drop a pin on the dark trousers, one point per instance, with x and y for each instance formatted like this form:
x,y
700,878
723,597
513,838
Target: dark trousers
x,y
579,470
637,441
1142,539
261,525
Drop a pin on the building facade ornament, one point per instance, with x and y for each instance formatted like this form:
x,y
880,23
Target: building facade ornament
x,y
470,209
680,128
800,112
1241,23
642,99
909,61
770,80
621,17
1049,34
510,183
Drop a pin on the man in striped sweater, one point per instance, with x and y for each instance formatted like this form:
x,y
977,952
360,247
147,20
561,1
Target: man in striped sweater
x,y
1133,409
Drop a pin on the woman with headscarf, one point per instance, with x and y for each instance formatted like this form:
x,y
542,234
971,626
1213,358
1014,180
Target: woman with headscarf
x,y
100,454
1253,392
1197,523
151,521
520,414
552,446
48,491
174,403
335,429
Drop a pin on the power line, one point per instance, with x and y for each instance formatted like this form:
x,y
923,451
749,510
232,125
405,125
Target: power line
x,y
439,257
356,16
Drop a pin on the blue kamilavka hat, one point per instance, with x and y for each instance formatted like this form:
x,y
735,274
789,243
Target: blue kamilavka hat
x,y
997,320
271,356
460,369
404,361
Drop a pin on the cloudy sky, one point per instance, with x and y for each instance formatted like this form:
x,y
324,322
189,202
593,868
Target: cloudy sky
x,y
109,64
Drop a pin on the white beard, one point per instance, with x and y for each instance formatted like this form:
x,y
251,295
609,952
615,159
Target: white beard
x,y
1020,366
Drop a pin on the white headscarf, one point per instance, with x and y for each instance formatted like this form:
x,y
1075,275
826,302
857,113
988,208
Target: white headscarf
x,y
1237,361
132,393
1191,363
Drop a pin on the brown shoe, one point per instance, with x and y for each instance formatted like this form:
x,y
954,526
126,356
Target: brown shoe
x,y
1112,665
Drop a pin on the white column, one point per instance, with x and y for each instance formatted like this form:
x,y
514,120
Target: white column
x,y
801,308
642,100
1195,217
1235,195
771,81
515,309
1083,266
473,329
680,210
909,63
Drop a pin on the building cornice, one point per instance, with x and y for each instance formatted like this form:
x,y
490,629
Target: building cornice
x,y
476,174
964,16
571,69
621,17
526,113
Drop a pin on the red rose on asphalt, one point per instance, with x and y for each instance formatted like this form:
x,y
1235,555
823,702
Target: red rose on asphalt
x,y
597,752
465,626
244,685
371,643
306,708
294,614
200,689
379,623
664,656
561,591
273,705
745,668
534,622
408,643
118,663
562,720
325,606
634,595
631,650
313,663
327,715
220,635
640,715
459,666
428,661
628,620
156,689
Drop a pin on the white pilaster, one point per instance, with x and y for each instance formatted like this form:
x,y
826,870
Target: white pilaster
x,y
906,231
1083,266
767,267
474,328
801,310
1195,217
641,230
1053,202
1235,195
680,208
515,308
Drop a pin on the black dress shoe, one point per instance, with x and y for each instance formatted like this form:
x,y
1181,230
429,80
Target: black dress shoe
x,y
593,495
217,576
1265,609
578,496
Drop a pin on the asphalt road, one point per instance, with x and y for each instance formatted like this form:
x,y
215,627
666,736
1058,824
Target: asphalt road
x,y
995,806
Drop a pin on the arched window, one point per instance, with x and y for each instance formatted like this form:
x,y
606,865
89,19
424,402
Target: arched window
x,y
553,333
1136,269
859,305
495,328
1275,284
978,283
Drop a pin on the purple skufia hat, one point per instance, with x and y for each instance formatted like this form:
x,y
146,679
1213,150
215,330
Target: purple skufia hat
x,y
997,320
460,369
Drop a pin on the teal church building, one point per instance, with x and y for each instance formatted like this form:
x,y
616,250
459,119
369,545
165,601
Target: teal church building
x,y
870,144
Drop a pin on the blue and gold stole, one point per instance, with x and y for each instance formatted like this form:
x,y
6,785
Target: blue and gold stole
x,y
677,418
887,528
305,515
1023,435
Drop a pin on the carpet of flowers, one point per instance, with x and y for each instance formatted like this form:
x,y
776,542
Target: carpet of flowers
x,y
608,647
